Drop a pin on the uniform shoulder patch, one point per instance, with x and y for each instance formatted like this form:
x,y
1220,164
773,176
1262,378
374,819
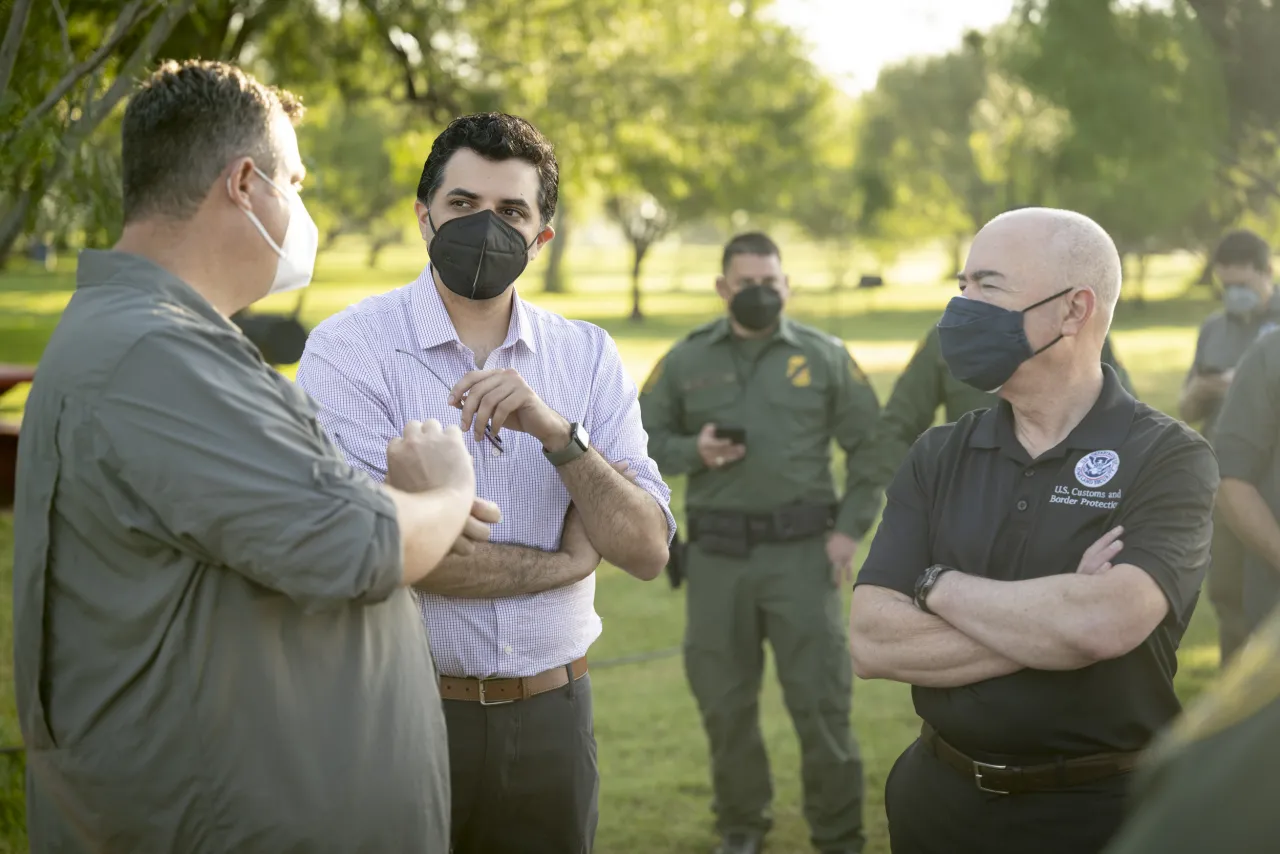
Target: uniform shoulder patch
x,y
654,375
857,374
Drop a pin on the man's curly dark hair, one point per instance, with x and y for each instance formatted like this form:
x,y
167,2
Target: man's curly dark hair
x,y
495,136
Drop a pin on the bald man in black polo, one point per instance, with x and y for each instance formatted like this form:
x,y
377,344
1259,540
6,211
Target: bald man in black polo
x,y
1037,564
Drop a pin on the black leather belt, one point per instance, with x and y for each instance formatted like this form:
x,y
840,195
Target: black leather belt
x,y
732,533
1020,779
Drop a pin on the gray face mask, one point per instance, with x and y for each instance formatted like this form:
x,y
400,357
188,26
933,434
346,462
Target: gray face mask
x,y
1240,300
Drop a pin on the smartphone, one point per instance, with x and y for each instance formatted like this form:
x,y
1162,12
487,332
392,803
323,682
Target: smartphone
x,y
737,435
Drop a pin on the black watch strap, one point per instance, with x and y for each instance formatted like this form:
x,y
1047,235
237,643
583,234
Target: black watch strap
x,y
925,584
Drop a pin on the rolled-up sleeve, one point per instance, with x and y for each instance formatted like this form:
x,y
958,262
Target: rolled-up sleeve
x,y
341,377
616,428
205,440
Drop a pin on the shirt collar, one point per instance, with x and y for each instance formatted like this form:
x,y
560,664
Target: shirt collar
x,y
1105,426
97,267
434,327
722,330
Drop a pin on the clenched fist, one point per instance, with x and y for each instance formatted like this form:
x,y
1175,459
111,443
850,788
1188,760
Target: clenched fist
x,y
428,456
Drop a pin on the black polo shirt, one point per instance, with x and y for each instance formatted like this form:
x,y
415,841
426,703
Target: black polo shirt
x,y
970,497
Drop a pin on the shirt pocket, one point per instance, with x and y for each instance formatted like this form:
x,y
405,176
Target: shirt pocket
x,y
39,467
714,401
801,401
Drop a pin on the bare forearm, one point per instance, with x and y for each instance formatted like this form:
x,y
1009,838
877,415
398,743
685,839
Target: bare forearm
x,y
892,639
1247,513
624,523
429,524
1043,623
1197,400
495,571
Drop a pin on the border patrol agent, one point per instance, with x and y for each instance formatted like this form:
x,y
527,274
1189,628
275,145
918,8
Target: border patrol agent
x,y
1251,308
769,543
1041,646
1247,439
1209,782
925,385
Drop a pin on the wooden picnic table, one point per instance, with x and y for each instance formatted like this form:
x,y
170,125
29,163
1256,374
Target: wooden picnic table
x,y
10,376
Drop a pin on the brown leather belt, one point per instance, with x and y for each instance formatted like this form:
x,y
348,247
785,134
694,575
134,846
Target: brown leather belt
x,y
1020,779
495,692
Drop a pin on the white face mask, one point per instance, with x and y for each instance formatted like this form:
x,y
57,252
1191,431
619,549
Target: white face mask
x,y
297,259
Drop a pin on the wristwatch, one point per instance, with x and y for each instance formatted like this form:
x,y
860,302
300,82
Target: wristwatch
x,y
925,584
579,441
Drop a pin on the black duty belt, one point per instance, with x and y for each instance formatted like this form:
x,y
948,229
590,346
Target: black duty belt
x,y
734,534
1020,779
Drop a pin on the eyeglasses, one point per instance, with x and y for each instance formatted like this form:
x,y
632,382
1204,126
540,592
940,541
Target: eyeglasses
x,y
496,441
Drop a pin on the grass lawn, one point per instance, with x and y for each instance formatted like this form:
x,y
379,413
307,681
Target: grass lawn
x,y
655,790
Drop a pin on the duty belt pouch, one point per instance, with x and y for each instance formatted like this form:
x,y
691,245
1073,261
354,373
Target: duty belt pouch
x,y
722,534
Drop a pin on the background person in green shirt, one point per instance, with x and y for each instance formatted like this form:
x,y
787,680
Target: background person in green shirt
x,y
925,385
1250,309
747,406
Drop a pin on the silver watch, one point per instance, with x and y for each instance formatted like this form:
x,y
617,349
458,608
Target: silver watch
x,y
579,441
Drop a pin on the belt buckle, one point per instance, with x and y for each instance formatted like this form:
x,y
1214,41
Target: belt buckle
x,y
978,768
485,702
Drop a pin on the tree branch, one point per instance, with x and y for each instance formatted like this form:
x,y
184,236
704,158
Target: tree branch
x,y
95,112
65,31
431,99
124,24
12,41
251,24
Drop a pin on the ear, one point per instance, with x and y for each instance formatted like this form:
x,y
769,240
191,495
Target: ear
x,y
424,222
544,237
239,183
722,288
1081,305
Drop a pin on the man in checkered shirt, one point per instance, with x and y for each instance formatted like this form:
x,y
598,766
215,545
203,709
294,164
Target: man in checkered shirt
x,y
557,443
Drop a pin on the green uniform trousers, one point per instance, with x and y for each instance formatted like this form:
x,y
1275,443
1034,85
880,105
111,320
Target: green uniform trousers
x,y
784,593
1225,586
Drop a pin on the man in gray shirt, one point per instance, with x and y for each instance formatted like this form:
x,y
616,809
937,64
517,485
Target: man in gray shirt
x,y
1251,308
215,648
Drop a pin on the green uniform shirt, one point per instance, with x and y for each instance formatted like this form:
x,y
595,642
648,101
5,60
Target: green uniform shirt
x,y
1222,343
1246,440
926,384
213,650
1209,782
792,392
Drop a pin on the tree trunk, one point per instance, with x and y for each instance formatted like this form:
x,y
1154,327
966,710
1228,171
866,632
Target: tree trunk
x,y
1141,295
641,247
11,225
957,259
554,281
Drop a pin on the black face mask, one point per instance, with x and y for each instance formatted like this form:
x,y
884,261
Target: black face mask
x,y
756,307
983,344
478,256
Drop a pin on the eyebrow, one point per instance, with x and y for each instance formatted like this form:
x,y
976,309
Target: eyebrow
x,y
979,274
459,192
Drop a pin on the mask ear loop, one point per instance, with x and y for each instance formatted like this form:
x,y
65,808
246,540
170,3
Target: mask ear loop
x,y
1037,305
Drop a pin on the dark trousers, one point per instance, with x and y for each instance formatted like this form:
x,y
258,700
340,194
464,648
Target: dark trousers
x,y
1225,586
524,774
934,809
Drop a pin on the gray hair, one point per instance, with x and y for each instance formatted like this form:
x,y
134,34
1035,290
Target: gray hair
x,y
186,122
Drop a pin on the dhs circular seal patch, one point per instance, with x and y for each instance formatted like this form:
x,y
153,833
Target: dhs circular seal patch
x,y
1096,468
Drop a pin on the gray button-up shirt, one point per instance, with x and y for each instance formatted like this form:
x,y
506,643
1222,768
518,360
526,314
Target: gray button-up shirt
x,y
213,650
1223,341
